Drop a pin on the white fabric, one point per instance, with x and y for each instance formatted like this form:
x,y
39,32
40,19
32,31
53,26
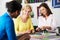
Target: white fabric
x,y
50,21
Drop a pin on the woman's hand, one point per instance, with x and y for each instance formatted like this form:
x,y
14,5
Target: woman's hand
x,y
48,27
43,27
28,31
37,29
32,31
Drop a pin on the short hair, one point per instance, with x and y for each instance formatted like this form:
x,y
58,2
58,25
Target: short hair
x,y
24,7
47,7
12,6
29,7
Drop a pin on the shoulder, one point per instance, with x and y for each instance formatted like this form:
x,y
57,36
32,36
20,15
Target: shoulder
x,y
52,16
17,19
5,17
9,23
4,14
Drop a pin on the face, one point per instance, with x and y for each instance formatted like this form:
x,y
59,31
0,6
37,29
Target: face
x,y
15,14
43,10
27,11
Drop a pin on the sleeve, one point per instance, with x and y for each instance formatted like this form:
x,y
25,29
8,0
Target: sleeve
x,y
39,22
10,30
54,25
31,25
16,24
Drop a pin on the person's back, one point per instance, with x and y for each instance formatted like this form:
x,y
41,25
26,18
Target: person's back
x,y
7,31
5,23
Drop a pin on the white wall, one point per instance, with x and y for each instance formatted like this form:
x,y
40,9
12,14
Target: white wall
x,y
2,6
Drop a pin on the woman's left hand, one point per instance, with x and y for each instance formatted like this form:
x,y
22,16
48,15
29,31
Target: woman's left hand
x,y
28,31
48,27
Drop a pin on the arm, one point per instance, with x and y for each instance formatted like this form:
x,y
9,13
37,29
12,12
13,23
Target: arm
x,y
16,24
39,24
54,25
31,26
10,30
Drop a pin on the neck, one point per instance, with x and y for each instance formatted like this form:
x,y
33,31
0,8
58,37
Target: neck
x,y
24,19
46,16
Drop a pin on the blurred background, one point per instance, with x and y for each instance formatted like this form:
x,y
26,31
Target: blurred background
x,y
35,13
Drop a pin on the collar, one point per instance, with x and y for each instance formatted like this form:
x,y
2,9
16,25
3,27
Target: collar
x,y
9,14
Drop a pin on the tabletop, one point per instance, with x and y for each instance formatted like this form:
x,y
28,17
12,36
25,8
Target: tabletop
x,y
48,36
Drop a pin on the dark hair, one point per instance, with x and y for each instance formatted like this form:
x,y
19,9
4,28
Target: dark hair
x,y
12,6
47,8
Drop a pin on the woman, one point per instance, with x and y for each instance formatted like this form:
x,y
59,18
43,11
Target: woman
x,y
23,23
46,20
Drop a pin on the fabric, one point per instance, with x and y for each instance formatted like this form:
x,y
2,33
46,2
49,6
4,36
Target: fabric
x,y
50,21
21,26
7,28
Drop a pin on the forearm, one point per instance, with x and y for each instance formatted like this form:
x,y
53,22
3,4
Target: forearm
x,y
18,33
46,27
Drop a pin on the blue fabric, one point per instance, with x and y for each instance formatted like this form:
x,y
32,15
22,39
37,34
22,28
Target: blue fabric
x,y
7,28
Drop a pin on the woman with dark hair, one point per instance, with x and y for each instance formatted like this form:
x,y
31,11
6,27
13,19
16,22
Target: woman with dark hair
x,y
46,19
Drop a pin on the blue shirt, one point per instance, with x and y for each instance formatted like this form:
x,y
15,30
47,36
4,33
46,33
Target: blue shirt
x,y
7,28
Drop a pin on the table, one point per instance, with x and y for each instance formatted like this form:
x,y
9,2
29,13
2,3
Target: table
x,y
48,36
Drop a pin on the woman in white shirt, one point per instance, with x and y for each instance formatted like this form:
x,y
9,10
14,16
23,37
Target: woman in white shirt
x,y
46,20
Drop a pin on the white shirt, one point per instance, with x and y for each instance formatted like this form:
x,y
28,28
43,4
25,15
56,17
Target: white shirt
x,y
50,21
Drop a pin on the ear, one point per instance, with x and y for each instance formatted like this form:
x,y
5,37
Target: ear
x,y
16,11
